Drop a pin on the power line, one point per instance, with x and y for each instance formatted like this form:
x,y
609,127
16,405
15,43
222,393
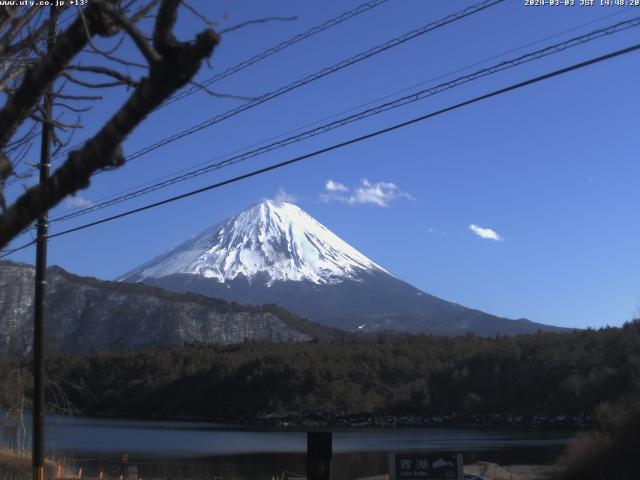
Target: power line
x,y
405,100
355,11
407,89
318,75
332,22
351,141
6,253
150,186
310,78
273,50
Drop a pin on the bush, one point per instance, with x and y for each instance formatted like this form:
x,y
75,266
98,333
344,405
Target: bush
x,y
610,450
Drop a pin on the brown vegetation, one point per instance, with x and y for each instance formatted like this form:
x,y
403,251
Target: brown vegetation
x,y
609,451
16,465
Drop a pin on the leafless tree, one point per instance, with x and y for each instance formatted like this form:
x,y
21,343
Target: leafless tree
x,y
16,399
13,419
82,59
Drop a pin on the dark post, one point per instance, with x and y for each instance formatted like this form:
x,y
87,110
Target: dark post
x,y
41,282
319,451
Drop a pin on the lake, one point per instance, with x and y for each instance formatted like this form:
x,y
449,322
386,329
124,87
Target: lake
x,y
178,449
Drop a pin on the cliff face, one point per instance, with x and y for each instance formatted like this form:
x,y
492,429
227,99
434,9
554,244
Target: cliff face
x,y
16,306
85,315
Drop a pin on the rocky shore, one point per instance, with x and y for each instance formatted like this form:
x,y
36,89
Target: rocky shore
x,y
409,421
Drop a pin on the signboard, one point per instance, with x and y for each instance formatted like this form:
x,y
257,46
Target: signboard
x,y
425,466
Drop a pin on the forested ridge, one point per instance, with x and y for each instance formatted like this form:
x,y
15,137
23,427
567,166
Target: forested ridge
x,y
544,373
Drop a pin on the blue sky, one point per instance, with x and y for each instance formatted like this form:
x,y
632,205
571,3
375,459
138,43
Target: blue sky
x,y
547,174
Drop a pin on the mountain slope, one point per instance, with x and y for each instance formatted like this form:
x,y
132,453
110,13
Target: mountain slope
x,y
274,252
86,314
280,241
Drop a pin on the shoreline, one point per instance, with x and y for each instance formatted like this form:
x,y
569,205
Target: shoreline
x,y
574,422
375,421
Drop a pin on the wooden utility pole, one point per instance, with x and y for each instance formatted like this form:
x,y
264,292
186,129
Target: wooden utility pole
x,y
39,379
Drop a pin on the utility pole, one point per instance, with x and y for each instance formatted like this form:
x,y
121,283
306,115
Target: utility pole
x,y
39,380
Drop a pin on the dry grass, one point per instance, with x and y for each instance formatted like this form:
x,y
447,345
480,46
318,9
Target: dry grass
x,y
534,472
602,455
610,450
17,466
14,467
493,471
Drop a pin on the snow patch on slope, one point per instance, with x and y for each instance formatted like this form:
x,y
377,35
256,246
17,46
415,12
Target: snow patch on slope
x,y
278,239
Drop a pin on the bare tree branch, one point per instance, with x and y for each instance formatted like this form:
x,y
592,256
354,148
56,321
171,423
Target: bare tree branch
x,y
120,61
142,12
10,75
7,16
109,72
201,17
59,142
106,53
163,37
255,22
21,154
55,123
27,137
12,19
6,48
16,26
66,106
178,62
36,80
219,94
87,84
136,35
77,97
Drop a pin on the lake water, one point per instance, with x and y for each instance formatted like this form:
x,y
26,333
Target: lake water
x,y
198,450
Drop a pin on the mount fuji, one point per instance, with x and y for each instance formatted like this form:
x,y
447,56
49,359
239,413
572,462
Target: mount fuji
x,y
275,252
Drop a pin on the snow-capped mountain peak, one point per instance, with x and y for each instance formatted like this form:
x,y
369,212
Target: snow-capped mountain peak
x,y
275,238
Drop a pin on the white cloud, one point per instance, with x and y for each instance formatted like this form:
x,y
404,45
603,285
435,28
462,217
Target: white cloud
x,y
332,186
375,193
379,193
485,233
77,202
283,196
